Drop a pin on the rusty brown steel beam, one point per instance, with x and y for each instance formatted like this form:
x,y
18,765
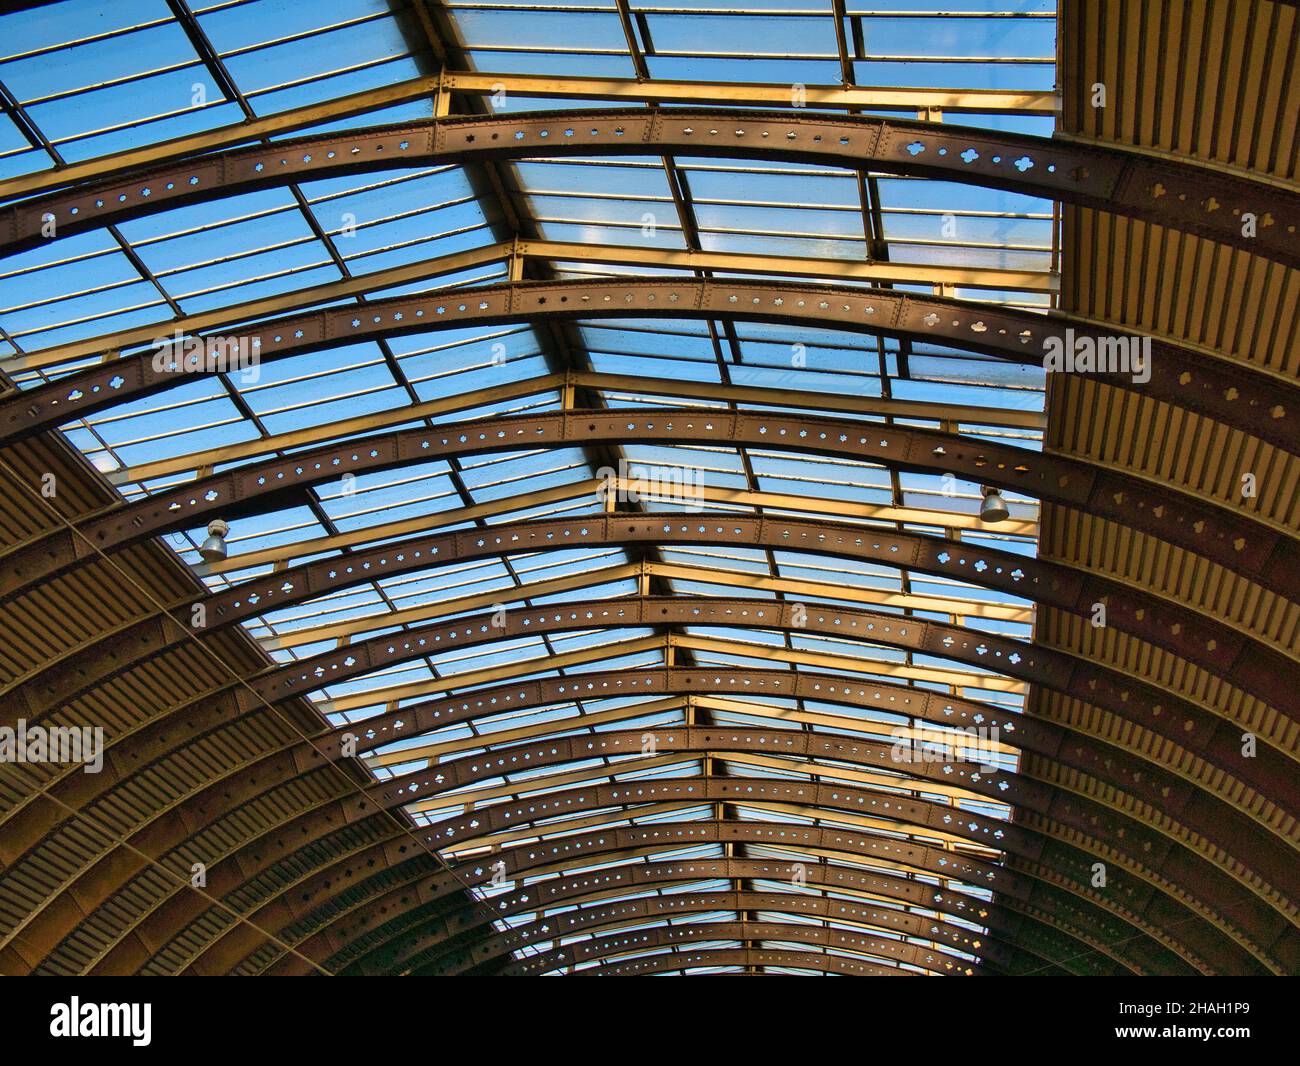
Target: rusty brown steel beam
x,y
342,927
1203,735
1255,216
1217,648
480,83
165,836
1014,936
1163,713
746,957
768,741
995,915
920,636
436,941
445,931
1137,844
1124,770
484,83
492,953
1222,823
489,956
884,949
410,788
1232,538
1192,636
1124,928
1265,405
1213,819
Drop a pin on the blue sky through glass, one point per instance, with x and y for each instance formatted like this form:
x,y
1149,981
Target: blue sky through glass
x,y
87,80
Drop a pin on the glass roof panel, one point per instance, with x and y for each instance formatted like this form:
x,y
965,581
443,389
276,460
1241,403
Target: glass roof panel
x,y
144,71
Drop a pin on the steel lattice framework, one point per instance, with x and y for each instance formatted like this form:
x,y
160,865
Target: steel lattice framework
x,y
554,727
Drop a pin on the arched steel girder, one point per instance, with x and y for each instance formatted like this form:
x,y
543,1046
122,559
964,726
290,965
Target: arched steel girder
x,y
1035,664
451,926
1130,937
459,773
825,963
492,955
712,958
1270,771
1229,830
1214,820
303,830
516,858
1016,938
154,839
836,941
1177,194
1030,734
1066,589
1136,845
1264,405
399,792
1217,648
1230,538
1034,736
916,813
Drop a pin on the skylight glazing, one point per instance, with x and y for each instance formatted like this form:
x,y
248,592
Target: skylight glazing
x,y
145,71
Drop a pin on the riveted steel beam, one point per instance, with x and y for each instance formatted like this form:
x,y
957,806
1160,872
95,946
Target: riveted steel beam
x,y
1115,925
459,773
448,938
617,385
717,958
1215,647
1157,787
1232,538
590,489
1181,195
689,800
1131,844
726,576
444,939
1156,711
492,954
483,83
346,924
358,933
835,941
1264,405
1126,771
508,256
1225,825
472,767
33,699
